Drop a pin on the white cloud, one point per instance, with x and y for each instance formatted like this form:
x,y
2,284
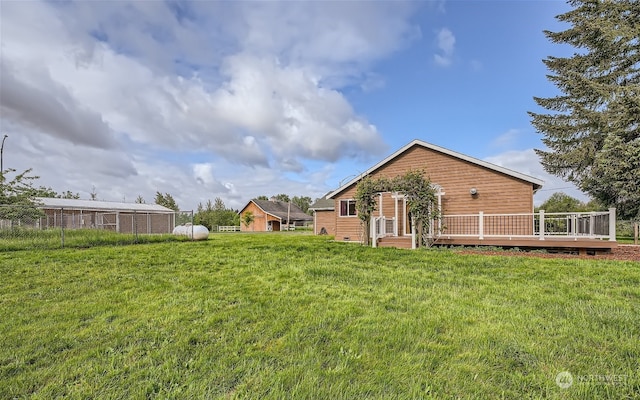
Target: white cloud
x,y
507,139
105,93
527,162
203,173
446,42
48,107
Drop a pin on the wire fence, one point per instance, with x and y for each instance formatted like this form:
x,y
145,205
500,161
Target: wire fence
x,y
26,226
628,231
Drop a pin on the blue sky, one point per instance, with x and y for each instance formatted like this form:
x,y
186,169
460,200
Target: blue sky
x,y
240,99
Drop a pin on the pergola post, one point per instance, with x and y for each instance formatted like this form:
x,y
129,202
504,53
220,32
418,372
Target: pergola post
x,y
413,233
395,227
612,224
373,235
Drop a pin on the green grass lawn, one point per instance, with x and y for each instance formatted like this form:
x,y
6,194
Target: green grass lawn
x,y
297,316
49,239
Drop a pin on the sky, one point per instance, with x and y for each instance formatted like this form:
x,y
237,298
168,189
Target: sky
x,y
234,100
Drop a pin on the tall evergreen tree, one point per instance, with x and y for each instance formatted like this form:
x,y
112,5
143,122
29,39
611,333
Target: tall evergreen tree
x,y
215,214
209,206
218,204
592,130
167,201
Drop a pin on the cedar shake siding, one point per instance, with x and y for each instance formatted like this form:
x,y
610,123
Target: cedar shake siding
x,y
498,192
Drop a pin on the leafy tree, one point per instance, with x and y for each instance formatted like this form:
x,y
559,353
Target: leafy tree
x,y
45,192
166,200
421,197
50,193
140,199
93,195
562,202
248,218
216,214
229,218
261,197
69,195
282,197
303,202
17,196
236,218
592,129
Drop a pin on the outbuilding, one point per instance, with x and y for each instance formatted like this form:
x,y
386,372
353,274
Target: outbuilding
x,y
273,215
107,215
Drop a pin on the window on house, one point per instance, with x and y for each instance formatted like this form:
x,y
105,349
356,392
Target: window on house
x,y
347,208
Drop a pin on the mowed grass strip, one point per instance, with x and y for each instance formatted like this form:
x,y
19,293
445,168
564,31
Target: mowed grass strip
x,y
298,316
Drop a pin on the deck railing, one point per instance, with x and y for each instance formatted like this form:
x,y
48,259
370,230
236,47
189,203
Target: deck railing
x,y
593,225
539,225
381,227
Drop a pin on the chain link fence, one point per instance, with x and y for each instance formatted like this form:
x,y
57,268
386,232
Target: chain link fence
x,y
25,226
184,217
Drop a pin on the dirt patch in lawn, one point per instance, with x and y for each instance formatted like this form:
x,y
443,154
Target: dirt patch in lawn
x,y
624,252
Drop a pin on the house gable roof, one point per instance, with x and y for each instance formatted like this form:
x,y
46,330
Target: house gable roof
x,y
96,205
537,183
280,209
323,204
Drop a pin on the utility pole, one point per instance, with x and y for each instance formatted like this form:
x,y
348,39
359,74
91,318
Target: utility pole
x,y
1,159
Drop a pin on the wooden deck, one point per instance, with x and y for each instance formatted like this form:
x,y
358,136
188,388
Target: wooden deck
x,y
552,244
400,242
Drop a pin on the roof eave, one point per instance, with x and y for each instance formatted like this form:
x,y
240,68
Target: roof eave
x,y
262,209
99,206
473,160
322,208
